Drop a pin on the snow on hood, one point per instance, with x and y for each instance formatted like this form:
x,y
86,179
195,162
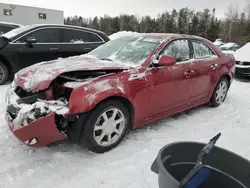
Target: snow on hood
x,y
39,76
243,54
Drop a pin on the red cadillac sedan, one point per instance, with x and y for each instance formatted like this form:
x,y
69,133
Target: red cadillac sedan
x,y
94,99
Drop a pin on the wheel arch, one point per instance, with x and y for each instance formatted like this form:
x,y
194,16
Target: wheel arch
x,y
6,62
227,76
124,101
75,131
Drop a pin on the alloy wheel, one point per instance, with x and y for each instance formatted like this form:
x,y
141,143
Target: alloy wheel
x,y
221,92
1,73
109,127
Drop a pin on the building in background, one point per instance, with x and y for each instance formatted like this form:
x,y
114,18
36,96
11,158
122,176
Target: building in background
x,y
26,15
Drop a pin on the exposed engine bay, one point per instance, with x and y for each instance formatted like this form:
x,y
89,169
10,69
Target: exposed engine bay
x,y
24,107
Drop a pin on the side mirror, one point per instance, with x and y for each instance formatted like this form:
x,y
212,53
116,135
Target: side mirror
x,y
30,40
166,60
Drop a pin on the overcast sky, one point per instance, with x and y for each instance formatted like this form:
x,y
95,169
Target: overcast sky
x,y
91,8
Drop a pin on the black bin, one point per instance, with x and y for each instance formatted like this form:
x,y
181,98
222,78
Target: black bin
x,y
227,169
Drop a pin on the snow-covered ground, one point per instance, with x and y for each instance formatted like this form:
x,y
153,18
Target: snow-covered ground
x,y
128,165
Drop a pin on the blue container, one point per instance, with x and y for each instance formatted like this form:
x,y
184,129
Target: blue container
x,y
227,169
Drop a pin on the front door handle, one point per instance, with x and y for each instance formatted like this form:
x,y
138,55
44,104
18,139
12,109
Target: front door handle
x,y
214,66
20,50
189,73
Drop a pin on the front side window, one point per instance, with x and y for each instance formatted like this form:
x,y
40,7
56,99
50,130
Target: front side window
x,y
48,35
201,50
128,49
13,33
179,49
75,36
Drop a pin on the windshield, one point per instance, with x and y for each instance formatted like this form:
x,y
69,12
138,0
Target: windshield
x,y
128,49
17,31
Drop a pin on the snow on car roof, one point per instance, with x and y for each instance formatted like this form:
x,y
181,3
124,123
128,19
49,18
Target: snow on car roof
x,y
242,54
162,36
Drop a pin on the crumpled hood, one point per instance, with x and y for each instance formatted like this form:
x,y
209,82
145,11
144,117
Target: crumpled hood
x,y
39,76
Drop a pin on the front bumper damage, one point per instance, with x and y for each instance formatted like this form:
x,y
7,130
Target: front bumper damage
x,y
34,124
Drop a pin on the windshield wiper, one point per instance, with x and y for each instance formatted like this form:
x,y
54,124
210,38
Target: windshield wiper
x,y
107,59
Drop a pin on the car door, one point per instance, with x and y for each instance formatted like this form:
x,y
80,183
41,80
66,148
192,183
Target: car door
x,y
205,68
77,42
171,87
45,48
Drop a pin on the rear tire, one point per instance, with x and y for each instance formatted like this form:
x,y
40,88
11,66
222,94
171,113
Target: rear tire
x,y
106,126
4,73
219,93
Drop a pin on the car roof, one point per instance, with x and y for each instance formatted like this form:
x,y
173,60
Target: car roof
x,y
10,23
19,31
63,25
167,36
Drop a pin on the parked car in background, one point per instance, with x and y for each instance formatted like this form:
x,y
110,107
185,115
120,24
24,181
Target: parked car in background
x,y
7,26
242,57
126,83
218,42
31,44
229,47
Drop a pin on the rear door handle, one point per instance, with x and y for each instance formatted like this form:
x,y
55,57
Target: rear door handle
x,y
20,50
214,66
87,48
53,49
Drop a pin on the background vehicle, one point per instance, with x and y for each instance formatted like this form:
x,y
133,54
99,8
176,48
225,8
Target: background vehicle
x,y
7,26
31,44
126,83
242,58
229,47
218,42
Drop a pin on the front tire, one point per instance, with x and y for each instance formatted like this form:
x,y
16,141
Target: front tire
x,y
106,126
4,73
219,93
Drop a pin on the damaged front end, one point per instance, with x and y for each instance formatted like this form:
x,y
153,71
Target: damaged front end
x,y
35,117
42,117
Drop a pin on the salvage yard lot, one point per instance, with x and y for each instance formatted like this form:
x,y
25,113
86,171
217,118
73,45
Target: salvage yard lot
x,y
128,165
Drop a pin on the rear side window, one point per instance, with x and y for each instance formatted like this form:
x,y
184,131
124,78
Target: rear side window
x,y
179,49
95,38
47,35
201,50
75,36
